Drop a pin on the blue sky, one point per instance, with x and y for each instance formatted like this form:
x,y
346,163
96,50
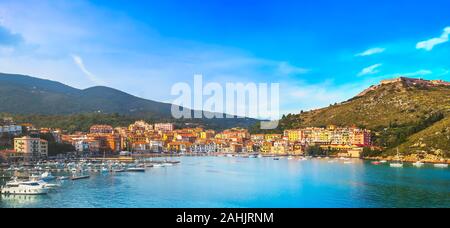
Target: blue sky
x,y
321,52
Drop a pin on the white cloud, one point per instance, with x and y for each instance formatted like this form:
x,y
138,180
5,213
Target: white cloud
x,y
79,62
305,96
428,45
288,69
371,51
370,70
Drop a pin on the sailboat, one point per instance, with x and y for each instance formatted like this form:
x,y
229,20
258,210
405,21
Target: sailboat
x,y
398,163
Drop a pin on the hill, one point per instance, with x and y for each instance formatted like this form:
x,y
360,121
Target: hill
x,y
27,96
399,111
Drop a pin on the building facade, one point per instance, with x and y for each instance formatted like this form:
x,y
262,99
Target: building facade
x,y
31,147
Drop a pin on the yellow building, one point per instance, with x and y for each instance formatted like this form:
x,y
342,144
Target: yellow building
x,y
31,147
272,137
294,135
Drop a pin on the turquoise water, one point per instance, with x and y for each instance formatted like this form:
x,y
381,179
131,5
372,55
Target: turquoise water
x,y
254,182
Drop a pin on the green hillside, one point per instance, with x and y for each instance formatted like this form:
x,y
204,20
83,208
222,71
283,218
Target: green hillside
x,y
434,139
398,113
47,103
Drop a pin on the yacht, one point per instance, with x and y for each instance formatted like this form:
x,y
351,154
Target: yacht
x,y
383,161
24,188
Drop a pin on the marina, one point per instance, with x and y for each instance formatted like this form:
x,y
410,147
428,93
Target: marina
x,y
238,181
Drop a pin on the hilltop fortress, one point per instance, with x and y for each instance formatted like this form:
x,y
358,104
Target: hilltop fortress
x,y
407,82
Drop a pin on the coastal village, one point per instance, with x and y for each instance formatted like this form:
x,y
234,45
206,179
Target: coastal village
x,y
163,138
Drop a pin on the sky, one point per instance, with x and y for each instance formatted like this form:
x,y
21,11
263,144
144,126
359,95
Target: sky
x,y
320,51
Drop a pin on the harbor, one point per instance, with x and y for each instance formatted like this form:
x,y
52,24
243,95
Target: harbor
x,y
243,181
37,178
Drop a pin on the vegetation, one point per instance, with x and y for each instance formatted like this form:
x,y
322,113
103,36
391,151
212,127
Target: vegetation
x,y
55,148
40,101
368,152
315,151
395,134
399,115
433,140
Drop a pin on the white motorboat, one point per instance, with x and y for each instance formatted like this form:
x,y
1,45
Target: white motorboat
x,y
105,170
383,161
46,176
119,170
396,165
24,188
441,165
136,169
418,164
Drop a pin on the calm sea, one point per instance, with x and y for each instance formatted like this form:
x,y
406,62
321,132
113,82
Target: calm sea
x,y
253,182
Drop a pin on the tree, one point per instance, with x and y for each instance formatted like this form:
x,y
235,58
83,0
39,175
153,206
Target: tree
x,y
368,152
315,151
55,148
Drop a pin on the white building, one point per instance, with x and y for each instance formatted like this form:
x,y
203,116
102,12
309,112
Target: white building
x,y
203,148
11,129
156,146
164,127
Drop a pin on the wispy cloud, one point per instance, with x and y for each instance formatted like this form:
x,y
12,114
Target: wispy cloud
x,y
288,69
428,45
371,51
370,70
79,62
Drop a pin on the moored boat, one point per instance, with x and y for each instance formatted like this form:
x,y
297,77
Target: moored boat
x,y
24,188
80,177
397,163
418,164
441,165
136,169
